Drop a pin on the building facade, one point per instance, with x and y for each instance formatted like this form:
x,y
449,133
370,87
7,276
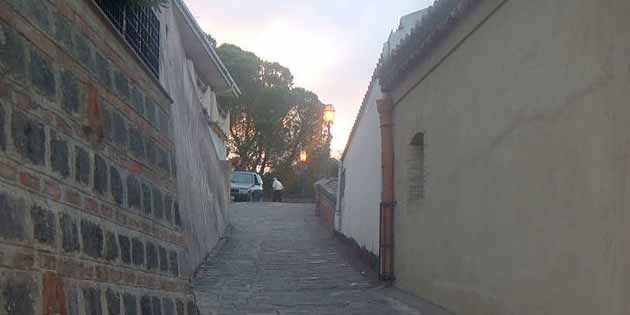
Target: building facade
x,y
511,156
91,213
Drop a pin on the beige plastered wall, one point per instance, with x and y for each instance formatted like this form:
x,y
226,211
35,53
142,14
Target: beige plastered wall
x,y
526,113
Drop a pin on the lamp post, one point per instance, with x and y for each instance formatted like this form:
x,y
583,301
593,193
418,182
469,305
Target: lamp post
x,y
329,118
303,158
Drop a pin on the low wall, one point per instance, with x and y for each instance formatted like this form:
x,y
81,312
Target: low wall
x,y
326,201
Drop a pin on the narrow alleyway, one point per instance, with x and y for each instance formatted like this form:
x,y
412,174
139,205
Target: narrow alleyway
x,y
279,260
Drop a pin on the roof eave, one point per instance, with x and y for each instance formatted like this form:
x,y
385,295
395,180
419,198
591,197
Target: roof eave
x,y
227,86
413,50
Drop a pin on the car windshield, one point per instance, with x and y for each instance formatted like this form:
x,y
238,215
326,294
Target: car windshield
x,y
242,178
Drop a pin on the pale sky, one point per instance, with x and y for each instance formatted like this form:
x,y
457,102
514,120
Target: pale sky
x,y
330,46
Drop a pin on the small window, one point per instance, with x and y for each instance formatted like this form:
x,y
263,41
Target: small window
x,y
140,27
415,168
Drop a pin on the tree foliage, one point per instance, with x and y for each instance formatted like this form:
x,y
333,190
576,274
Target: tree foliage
x,y
212,41
273,120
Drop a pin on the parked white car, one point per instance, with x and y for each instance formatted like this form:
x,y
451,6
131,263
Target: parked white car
x,y
246,186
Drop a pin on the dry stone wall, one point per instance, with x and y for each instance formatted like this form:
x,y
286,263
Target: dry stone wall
x,y
89,222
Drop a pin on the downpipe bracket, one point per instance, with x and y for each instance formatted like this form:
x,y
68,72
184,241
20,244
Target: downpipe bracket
x,y
391,205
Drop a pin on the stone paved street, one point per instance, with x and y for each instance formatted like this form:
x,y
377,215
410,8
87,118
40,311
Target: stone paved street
x,y
279,260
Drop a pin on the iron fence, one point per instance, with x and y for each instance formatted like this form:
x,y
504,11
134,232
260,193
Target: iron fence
x,y
140,27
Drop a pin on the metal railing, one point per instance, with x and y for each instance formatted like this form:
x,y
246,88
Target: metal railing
x,y
140,27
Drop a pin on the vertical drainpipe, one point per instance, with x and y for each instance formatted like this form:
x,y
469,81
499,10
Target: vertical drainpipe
x,y
386,240
337,223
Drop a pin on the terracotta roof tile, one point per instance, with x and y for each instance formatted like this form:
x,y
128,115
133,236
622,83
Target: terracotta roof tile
x,y
440,20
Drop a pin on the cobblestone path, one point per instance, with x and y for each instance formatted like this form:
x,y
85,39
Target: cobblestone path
x,y
279,260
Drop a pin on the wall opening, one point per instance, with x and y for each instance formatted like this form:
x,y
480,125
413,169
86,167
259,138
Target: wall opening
x,y
415,168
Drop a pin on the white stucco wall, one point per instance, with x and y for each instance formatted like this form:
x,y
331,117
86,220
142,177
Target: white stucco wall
x,y
209,102
360,204
219,145
202,193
